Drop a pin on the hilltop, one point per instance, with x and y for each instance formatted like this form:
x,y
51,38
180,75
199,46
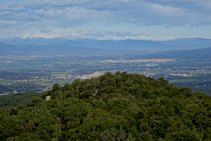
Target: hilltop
x,y
116,106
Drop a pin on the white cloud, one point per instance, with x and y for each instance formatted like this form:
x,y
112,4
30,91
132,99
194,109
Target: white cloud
x,y
109,10
42,17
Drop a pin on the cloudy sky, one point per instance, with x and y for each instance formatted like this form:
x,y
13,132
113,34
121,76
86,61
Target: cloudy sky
x,y
106,19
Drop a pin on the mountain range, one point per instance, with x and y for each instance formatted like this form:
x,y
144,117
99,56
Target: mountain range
x,y
62,46
180,43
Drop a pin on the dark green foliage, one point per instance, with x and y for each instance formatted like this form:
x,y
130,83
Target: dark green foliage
x,y
13,112
55,87
18,99
114,107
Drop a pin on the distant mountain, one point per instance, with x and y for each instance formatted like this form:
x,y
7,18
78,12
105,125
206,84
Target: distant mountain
x,y
91,43
195,53
177,44
51,50
187,43
199,54
130,45
62,46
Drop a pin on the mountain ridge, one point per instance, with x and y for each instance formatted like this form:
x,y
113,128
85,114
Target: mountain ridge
x,y
128,44
51,50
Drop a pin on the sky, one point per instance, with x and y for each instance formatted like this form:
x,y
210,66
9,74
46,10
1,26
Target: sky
x,y
106,19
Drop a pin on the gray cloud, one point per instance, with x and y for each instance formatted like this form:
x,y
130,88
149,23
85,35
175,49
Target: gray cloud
x,y
148,12
42,16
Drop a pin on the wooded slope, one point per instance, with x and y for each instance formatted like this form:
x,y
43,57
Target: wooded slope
x,y
117,106
17,99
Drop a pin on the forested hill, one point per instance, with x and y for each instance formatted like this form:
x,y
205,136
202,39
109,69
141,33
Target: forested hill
x,y
17,99
117,106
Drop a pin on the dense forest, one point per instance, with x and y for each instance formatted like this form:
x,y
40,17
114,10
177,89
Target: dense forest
x,y
17,99
116,106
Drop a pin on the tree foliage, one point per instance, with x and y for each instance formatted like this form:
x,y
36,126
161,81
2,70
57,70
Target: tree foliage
x,y
17,99
116,106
